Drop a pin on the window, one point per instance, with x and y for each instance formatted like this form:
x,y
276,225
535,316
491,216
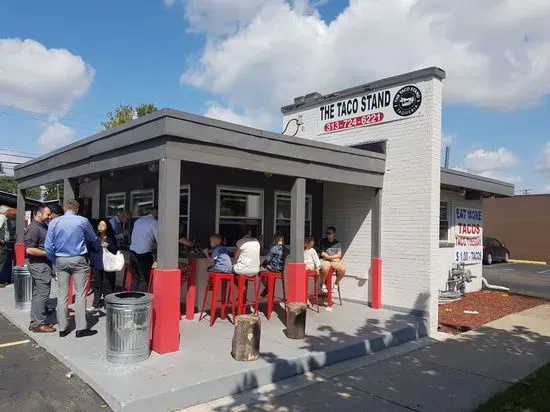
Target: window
x,y
114,204
237,207
185,202
141,201
443,221
282,215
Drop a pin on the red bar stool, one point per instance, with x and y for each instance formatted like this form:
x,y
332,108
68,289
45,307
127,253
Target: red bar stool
x,y
313,274
243,300
214,281
329,287
270,278
127,278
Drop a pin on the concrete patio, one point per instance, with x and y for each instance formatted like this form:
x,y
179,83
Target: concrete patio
x,y
203,369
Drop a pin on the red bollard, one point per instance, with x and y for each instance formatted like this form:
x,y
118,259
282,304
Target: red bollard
x,y
71,290
19,249
166,310
376,274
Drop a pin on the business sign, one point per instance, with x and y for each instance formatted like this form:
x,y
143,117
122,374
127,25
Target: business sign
x,y
468,235
371,108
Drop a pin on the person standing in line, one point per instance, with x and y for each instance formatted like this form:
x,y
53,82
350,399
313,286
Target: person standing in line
x,y
118,224
66,246
40,269
4,239
144,240
104,282
55,211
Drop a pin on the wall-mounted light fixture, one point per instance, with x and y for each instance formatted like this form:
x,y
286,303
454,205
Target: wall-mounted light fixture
x,y
153,167
268,174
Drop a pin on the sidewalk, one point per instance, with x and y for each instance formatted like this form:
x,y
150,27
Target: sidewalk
x,y
447,373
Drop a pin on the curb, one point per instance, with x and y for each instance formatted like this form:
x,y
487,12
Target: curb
x,y
527,262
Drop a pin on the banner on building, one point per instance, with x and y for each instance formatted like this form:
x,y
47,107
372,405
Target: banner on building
x,y
468,235
371,108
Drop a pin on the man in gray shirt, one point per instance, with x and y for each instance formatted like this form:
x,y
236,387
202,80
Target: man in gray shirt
x,y
40,269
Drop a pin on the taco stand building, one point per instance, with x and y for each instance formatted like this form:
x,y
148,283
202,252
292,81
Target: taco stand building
x,y
366,160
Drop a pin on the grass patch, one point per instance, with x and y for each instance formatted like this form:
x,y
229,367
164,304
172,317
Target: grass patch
x,y
531,394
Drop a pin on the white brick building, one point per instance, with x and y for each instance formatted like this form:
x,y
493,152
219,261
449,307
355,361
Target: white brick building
x,y
404,122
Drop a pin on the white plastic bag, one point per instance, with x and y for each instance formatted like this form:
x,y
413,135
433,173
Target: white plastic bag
x,y
112,263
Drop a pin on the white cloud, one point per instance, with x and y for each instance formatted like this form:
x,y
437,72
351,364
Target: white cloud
x,y
491,174
41,80
55,136
545,190
544,160
447,140
260,54
169,3
216,111
482,160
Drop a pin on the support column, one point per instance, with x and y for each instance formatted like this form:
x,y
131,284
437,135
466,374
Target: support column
x,y
70,189
167,276
376,251
297,282
19,247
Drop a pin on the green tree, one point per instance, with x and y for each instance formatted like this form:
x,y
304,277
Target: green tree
x,y
9,185
53,191
125,113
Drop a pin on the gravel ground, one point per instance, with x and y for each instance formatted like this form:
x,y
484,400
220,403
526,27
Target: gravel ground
x,y
491,305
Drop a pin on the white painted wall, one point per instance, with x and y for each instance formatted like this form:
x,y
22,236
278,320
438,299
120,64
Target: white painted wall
x,y
92,189
349,209
410,201
446,254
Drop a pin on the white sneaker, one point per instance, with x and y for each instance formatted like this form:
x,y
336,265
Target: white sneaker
x,y
324,288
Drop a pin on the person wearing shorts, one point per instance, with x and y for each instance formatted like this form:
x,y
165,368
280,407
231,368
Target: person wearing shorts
x,y
331,256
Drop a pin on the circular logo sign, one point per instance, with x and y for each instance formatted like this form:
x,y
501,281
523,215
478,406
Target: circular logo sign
x,y
407,100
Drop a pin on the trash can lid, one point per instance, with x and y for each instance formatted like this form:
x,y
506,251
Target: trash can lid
x,y
129,298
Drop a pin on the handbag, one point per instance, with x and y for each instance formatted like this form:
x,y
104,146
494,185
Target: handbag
x,y
111,262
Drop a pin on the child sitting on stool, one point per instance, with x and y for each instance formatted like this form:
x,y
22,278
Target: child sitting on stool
x,y
275,259
219,255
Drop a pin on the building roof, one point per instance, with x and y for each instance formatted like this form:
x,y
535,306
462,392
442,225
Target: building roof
x,y
315,98
454,179
192,138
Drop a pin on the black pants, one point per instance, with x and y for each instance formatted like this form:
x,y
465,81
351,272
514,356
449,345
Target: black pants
x,y
3,255
104,284
141,270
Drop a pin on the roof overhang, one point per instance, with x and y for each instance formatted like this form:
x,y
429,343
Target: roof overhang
x,y
192,138
456,180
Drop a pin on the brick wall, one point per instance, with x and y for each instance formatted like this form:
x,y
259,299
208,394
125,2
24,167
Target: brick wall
x,y
522,223
410,201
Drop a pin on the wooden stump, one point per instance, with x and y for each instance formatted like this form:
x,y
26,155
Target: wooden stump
x,y
296,325
246,338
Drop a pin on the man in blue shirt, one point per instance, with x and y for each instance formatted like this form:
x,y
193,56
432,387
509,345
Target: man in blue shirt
x,y
66,247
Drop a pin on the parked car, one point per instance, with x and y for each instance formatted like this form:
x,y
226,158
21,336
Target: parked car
x,y
494,251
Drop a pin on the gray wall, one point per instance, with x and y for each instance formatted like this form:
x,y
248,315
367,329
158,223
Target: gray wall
x,y
203,181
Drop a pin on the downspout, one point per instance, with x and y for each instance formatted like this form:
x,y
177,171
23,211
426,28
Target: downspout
x,y
493,287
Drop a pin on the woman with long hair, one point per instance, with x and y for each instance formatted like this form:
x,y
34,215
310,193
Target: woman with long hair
x,y
104,282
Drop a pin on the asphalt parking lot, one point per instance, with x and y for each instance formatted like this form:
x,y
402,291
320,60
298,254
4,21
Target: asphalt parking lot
x,y
525,279
32,380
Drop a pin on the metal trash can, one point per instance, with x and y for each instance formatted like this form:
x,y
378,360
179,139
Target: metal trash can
x,y
22,287
128,326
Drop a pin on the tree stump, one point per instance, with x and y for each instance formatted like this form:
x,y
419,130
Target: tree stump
x,y
246,338
296,325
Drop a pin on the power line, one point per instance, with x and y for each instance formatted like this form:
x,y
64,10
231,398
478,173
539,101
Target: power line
x,y
64,120
58,109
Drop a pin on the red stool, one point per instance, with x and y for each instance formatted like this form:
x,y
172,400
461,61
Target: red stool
x,y
243,295
127,279
214,281
329,287
313,274
270,278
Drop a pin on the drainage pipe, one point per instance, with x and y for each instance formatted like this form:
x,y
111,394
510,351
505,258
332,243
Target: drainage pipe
x,y
493,287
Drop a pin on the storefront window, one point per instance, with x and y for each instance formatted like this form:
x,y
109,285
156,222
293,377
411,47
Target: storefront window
x,y
443,221
185,201
114,204
237,207
141,201
282,215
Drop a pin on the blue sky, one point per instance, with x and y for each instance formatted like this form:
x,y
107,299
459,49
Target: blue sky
x,y
198,56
